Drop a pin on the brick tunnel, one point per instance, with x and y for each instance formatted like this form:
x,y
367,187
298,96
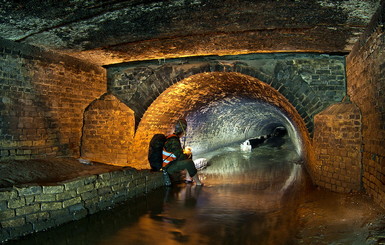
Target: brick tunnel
x,y
221,109
228,100
318,72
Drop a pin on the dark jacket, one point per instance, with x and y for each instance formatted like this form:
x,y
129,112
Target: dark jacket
x,y
173,145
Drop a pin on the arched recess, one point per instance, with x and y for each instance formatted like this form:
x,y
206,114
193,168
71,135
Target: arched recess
x,y
192,95
108,130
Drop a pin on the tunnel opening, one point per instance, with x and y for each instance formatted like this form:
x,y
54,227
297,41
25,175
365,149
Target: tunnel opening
x,y
274,137
236,120
222,109
218,132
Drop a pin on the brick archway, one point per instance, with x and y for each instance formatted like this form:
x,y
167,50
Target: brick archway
x,y
310,83
192,93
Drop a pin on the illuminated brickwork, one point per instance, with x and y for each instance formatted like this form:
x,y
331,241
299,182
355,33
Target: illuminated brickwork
x,y
310,82
366,86
190,94
337,146
43,97
108,131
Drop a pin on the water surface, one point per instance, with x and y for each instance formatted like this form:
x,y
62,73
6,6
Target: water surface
x,y
248,198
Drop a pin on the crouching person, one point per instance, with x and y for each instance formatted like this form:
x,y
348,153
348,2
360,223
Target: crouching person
x,y
174,160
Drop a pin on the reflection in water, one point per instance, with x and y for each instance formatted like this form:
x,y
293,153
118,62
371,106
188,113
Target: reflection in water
x,y
248,198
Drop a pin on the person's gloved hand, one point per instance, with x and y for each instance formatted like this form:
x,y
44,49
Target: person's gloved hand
x,y
188,151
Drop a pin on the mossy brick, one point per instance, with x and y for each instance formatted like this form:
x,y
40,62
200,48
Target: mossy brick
x,y
45,198
125,179
71,202
28,209
88,195
29,200
104,190
11,223
100,183
107,197
16,203
21,230
130,184
117,174
3,205
92,205
114,181
57,213
129,171
7,214
85,188
155,177
8,194
104,176
118,187
53,189
120,193
59,220
33,218
76,207
66,195
79,214
30,190
140,181
43,225
73,185
51,206
89,179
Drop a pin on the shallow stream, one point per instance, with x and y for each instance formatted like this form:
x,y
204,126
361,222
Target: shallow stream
x,y
258,197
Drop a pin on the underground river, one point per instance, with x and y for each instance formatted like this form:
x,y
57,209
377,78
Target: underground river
x,y
258,197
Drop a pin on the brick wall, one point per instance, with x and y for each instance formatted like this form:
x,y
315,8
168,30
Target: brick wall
x,y
28,209
337,147
42,99
366,86
311,82
108,131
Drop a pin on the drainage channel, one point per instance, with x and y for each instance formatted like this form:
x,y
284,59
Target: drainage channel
x,y
256,197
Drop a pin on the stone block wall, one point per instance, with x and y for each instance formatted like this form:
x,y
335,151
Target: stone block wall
x,y
366,88
108,131
42,99
337,147
28,209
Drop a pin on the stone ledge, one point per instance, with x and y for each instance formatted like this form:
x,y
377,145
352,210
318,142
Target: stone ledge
x,y
29,209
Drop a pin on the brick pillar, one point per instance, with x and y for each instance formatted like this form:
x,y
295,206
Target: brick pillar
x,y
337,146
108,131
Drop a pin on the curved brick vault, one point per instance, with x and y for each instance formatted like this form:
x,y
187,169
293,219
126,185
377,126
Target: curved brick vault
x,y
309,82
233,107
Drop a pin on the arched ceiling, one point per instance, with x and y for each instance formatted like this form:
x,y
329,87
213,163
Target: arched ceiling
x,y
108,32
221,108
234,119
